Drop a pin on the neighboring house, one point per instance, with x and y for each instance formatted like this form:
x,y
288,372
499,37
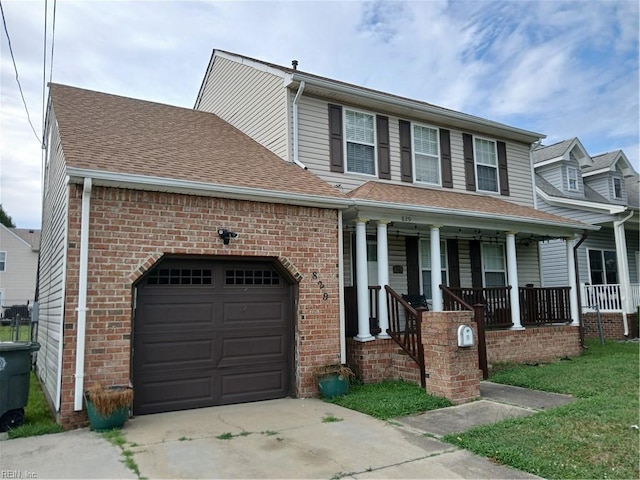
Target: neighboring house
x,y
603,191
19,249
209,266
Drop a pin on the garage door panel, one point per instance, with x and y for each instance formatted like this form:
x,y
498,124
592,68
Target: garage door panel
x,y
264,384
202,345
249,350
171,352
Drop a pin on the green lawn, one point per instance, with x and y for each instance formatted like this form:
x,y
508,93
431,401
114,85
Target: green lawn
x,y
595,437
7,333
389,399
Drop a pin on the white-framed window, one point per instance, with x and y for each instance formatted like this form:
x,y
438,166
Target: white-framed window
x,y
426,154
603,267
425,266
486,156
617,188
572,179
3,261
494,265
360,141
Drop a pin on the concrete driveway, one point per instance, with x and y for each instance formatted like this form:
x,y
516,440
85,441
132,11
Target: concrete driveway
x,y
286,438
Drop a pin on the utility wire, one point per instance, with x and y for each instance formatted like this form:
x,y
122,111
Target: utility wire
x,y
44,64
53,39
4,22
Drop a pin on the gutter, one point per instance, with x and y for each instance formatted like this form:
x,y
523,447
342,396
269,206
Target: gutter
x,y
576,267
296,158
82,294
580,204
188,187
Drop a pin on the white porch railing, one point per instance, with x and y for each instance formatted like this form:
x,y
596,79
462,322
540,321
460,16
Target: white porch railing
x,y
605,297
635,295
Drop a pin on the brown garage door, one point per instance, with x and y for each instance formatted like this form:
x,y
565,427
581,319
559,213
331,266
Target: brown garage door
x,y
210,333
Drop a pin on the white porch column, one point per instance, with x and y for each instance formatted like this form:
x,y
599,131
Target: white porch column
x,y
436,269
623,266
362,282
512,272
383,278
573,292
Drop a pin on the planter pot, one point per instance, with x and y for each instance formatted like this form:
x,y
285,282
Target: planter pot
x,y
100,422
333,385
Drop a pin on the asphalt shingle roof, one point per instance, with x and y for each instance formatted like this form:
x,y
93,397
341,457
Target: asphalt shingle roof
x,y
546,152
602,161
483,205
29,235
116,134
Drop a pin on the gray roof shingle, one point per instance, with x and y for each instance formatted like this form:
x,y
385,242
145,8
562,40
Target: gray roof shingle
x,y
547,152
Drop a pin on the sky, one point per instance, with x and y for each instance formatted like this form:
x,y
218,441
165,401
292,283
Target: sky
x,y
562,68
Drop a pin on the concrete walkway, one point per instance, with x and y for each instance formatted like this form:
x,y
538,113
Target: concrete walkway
x,y
286,438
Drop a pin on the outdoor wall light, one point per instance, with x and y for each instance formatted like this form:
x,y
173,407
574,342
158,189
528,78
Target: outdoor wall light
x,y
225,235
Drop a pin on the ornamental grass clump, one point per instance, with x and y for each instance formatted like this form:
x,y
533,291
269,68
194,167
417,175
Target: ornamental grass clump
x,y
107,400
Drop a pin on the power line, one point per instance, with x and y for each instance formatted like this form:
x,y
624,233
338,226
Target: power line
x,y
4,22
53,39
44,64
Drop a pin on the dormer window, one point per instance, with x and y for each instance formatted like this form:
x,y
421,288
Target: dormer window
x,y
572,179
617,188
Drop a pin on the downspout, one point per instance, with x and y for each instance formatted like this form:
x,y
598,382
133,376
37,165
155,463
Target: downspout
x,y
343,342
621,249
533,172
82,294
296,160
585,234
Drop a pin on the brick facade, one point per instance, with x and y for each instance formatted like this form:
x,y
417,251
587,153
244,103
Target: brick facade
x,y
130,230
612,325
533,344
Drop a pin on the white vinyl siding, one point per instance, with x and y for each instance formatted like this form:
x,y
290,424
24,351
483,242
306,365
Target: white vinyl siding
x,y
486,158
553,257
252,100
18,269
426,154
52,271
360,142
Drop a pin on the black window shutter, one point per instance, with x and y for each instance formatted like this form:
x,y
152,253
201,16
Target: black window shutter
x,y
454,262
475,252
469,164
335,139
445,158
406,171
502,168
384,154
413,265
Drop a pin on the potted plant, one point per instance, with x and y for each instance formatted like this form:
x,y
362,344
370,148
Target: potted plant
x,y
333,380
108,407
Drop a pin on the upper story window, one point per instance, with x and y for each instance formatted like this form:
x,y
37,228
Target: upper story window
x,y
3,261
572,179
617,188
426,154
359,128
486,164
494,265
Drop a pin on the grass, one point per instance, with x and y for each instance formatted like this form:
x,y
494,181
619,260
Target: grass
x,y
38,417
7,334
116,437
389,399
594,437
331,419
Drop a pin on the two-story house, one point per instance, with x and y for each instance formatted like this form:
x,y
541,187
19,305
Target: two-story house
x,y
219,255
600,190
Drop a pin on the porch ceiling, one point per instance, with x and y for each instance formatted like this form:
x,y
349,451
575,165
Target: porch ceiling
x,y
409,207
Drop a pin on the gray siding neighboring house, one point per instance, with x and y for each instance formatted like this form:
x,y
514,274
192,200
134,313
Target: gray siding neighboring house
x,y
607,197
18,265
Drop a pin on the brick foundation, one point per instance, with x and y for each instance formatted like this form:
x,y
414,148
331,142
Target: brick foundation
x,y
130,230
534,344
612,325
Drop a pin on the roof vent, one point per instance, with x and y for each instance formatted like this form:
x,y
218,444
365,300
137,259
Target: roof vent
x,y
294,63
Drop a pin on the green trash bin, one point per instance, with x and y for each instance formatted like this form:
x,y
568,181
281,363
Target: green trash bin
x,y
15,368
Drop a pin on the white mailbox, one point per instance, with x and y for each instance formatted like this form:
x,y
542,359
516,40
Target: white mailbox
x,y
465,336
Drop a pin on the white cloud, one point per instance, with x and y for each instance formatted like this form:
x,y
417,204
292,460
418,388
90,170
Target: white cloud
x,y
562,68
